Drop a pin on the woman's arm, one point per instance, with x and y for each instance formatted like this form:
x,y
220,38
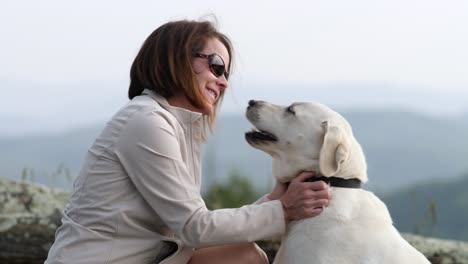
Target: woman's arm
x,y
150,153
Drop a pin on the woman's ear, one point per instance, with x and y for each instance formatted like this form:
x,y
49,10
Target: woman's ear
x,y
334,151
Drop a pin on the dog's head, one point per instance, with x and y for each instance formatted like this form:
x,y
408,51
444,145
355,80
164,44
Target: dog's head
x,y
305,136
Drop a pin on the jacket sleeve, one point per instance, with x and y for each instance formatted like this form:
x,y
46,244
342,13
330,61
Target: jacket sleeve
x,y
263,199
150,153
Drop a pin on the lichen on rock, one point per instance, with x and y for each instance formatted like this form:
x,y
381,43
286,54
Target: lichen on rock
x,y
29,215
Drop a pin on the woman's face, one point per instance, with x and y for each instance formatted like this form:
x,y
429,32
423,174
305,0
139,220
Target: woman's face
x,y
211,86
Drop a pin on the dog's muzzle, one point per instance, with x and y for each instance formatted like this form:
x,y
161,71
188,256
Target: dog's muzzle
x,y
260,136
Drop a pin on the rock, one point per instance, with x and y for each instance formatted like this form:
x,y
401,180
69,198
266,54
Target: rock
x,y
29,216
440,251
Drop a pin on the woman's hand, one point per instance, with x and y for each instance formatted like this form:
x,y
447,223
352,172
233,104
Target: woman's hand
x,y
302,199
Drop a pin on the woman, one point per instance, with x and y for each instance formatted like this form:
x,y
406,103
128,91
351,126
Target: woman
x,y
137,198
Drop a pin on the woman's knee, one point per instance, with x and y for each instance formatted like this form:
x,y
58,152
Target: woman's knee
x,y
248,253
251,253
258,255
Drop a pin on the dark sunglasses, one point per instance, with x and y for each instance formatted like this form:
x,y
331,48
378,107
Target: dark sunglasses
x,y
216,64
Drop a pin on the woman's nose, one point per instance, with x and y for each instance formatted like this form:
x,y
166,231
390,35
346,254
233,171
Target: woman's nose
x,y
222,83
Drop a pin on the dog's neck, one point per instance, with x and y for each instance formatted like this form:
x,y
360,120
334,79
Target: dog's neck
x,y
286,170
353,183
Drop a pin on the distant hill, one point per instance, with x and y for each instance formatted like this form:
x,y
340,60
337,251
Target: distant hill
x,y
436,208
402,148
39,157
465,118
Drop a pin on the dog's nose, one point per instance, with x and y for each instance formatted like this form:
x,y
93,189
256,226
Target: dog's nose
x,y
252,103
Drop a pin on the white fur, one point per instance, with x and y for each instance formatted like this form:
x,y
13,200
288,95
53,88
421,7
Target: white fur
x,y
356,227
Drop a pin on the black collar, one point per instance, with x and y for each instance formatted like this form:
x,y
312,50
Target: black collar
x,y
337,182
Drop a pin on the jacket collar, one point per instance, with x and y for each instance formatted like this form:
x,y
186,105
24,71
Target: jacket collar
x,y
184,116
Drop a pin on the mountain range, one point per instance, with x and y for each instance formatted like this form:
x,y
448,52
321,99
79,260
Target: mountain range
x,y
401,148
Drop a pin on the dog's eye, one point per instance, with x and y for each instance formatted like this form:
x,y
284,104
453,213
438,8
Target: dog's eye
x,y
290,110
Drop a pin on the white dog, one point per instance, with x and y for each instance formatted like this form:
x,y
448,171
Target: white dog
x,y
356,226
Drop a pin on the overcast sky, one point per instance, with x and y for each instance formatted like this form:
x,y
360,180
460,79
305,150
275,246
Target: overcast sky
x,y
66,63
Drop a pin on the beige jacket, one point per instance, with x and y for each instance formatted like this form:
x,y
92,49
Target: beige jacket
x,y
138,194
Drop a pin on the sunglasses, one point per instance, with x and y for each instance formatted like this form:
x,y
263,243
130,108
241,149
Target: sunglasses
x,y
216,64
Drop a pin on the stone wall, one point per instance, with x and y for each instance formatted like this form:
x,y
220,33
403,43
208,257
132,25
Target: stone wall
x,y
30,214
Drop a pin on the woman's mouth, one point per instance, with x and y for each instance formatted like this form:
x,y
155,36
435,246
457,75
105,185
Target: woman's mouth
x,y
213,95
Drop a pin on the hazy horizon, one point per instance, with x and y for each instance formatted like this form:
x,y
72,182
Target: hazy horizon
x,y
83,108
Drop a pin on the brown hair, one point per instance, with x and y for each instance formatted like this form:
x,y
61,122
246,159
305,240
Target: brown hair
x,y
164,62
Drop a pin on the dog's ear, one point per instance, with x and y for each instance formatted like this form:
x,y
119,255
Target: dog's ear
x,y
334,149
